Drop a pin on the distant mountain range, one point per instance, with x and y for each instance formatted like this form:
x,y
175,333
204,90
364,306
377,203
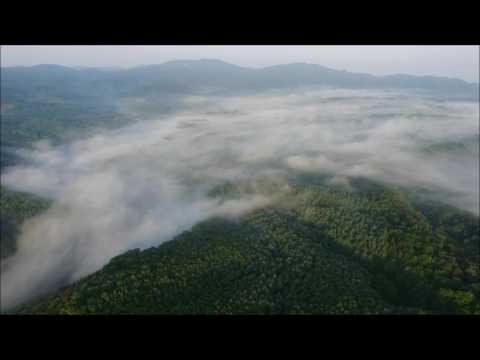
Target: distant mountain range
x,y
187,76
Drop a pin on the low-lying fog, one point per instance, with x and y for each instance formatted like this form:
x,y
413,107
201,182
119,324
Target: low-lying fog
x,y
143,184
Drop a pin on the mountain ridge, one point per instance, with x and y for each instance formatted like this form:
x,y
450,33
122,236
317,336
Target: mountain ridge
x,y
295,65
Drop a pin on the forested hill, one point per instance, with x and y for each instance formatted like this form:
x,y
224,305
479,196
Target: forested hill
x,y
15,208
318,249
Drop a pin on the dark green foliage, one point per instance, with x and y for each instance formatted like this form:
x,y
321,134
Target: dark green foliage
x,y
33,120
15,208
460,233
317,250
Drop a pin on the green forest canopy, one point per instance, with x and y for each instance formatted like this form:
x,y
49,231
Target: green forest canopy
x,y
319,250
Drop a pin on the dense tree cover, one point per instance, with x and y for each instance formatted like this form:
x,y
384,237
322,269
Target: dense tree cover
x,y
412,252
56,120
318,249
15,208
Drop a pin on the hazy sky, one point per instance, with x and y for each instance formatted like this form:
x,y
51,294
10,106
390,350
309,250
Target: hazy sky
x,y
451,61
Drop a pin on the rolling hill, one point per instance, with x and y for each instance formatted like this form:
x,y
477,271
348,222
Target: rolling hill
x,y
320,250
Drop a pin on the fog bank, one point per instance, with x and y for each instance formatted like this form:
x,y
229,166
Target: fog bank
x,y
140,185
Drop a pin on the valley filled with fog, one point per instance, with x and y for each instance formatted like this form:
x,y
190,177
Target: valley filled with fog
x,y
139,185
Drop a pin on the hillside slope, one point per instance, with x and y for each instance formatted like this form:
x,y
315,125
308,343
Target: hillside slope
x,y
319,250
15,208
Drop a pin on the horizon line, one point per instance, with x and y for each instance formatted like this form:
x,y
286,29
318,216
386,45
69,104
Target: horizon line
x,y
126,68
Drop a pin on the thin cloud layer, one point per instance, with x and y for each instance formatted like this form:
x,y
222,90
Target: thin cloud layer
x,y
141,185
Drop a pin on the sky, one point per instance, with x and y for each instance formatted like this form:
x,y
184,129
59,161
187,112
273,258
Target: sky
x,y
451,61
